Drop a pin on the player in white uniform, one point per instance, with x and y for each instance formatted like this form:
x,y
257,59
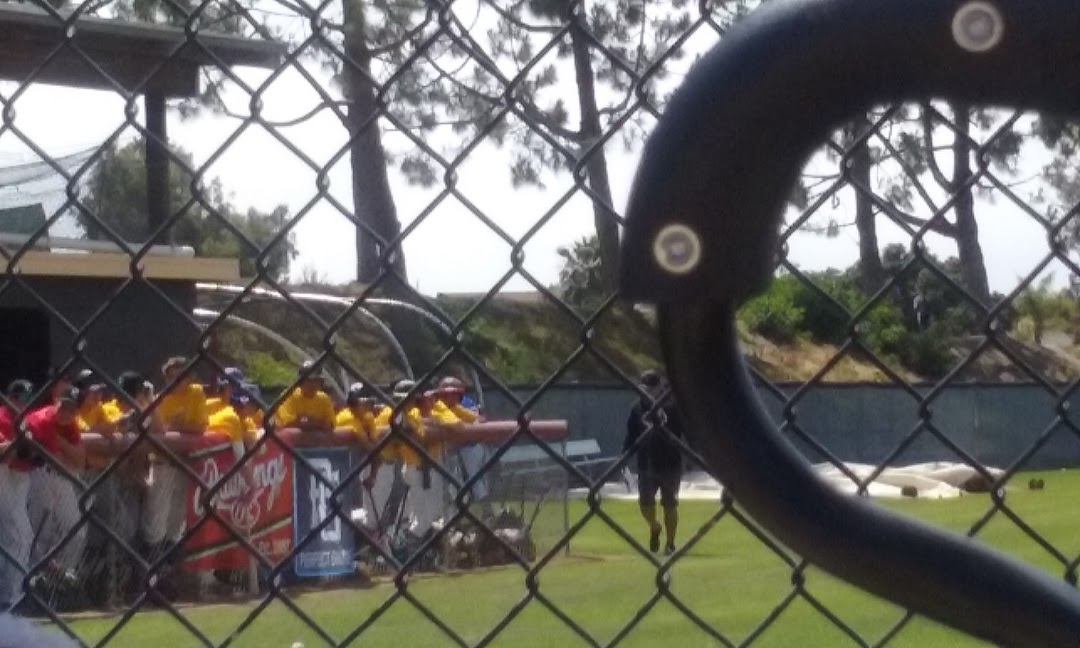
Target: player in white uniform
x,y
24,633
55,487
161,490
16,533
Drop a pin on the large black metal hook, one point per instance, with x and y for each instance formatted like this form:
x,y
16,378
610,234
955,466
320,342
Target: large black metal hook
x,y
701,236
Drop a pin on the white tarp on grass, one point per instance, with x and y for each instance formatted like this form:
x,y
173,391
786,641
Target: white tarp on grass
x,y
935,480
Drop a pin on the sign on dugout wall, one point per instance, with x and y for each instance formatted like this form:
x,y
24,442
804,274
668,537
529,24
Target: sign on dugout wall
x,y
261,511
331,550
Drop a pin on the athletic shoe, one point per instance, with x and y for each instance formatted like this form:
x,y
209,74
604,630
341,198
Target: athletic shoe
x,y
669,550
654,539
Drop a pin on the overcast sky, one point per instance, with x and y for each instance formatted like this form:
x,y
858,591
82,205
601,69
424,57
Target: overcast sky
x,y
452,250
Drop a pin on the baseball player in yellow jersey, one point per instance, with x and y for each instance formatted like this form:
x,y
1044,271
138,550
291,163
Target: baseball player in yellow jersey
x,y
358,416
183,405
471,455
407,422
218,395
227,421
181,408
225,407
256,415
449,394
222,413
436,497
163,503
308,407
249,410
250,415
94,415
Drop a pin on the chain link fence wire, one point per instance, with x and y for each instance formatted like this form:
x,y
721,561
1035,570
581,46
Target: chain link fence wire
x,y
130,134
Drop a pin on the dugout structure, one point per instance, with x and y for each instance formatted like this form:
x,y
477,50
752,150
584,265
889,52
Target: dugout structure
x,y
54,308
51,303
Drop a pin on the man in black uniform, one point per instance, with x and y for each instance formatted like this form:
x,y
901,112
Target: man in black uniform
x,y
659,457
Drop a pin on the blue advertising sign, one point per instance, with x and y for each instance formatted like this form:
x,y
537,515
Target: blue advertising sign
x,y
332,549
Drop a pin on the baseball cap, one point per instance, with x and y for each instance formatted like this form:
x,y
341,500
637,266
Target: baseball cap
x,y
650,378
70,396
174,363
356,393
131,383
251,390
401,389
19,389
452,384
86,381
309,371
235,374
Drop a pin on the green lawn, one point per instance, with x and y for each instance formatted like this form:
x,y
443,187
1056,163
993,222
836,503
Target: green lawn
x,y
729,579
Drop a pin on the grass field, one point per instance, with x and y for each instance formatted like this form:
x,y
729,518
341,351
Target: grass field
x,y
729,579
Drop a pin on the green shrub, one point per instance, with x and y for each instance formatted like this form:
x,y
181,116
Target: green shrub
x,y
885,331
926,354
262,368
774,314
827,320
791,309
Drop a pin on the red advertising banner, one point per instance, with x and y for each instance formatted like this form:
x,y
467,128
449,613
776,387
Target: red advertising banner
x,y
257,503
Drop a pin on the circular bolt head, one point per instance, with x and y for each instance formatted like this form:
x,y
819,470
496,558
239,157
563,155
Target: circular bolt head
x,y
677,249
978,26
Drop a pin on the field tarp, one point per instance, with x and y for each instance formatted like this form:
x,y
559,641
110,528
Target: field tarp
x,y
932,480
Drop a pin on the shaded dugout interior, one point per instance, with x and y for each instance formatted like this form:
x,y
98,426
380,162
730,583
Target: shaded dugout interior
x,y
65,305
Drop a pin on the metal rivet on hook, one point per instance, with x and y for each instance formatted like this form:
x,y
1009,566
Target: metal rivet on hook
x,y
677,249
978,26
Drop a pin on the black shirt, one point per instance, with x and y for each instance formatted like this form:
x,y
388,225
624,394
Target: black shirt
x,y
660,452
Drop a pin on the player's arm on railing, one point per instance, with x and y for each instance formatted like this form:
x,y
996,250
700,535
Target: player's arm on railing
x,y
494,432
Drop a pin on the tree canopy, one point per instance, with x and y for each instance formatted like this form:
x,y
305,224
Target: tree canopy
x,y
612,49
115,201
581,281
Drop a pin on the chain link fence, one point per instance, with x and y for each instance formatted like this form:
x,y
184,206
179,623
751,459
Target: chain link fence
x,y
184,178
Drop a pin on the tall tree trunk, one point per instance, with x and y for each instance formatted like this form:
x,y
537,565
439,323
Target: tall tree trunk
x,y
373,201
604,217
972,264
871,272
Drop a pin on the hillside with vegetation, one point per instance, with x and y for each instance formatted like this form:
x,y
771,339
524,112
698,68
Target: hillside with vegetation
x,y
920,327
800,326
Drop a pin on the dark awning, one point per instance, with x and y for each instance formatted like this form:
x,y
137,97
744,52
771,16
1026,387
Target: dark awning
x,y
140,57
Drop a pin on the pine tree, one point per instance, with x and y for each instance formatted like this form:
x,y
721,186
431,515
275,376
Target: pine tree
x,y
618,53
